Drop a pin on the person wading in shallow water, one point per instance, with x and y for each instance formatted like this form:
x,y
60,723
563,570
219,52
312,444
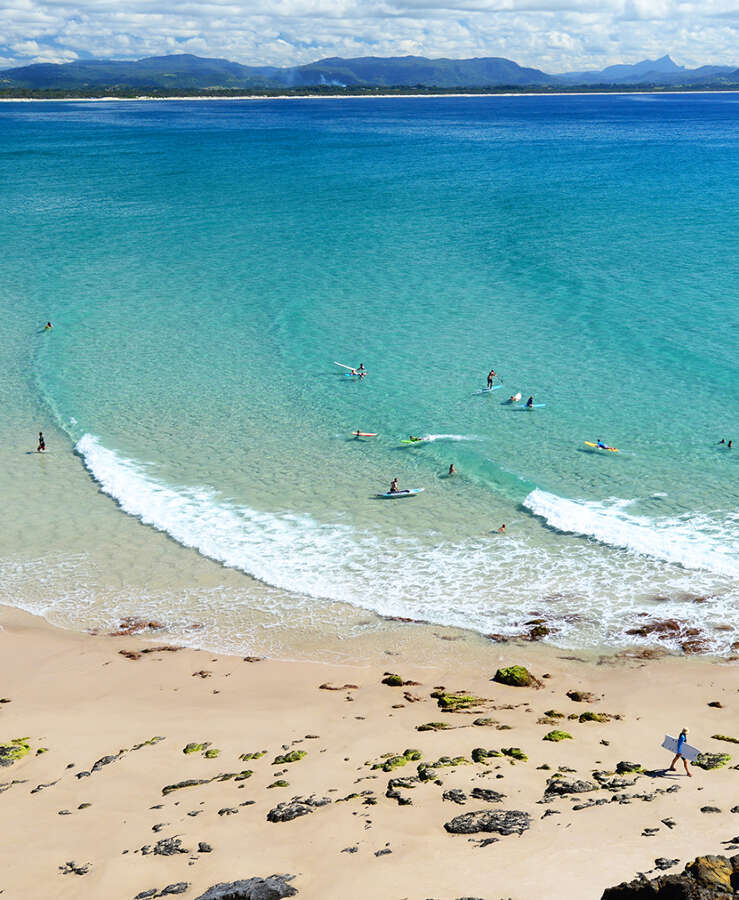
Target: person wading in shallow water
x,y
680,741
41,443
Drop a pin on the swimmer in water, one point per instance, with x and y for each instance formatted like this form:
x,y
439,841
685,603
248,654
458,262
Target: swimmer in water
x,y
452,470
41,443
502,529
514,398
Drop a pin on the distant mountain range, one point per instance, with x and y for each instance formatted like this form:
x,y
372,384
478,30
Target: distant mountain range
x,y
184,72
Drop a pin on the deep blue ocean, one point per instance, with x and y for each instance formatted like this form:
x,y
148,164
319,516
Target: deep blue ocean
x,y
206,264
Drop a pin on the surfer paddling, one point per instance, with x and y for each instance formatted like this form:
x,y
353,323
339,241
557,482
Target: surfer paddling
x,y
680,742
515,398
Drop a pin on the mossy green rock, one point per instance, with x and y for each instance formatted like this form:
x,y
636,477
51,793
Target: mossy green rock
x,y
593,717
211,754
196,748
515,676
554,714
393,680
433,726
716,737
557,736
455,701
291,757
13,751
245,757
626,768
42,750
712,760
391,761
514,753
279,783
479,754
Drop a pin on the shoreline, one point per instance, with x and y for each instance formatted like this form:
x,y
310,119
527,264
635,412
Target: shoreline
x,y
107,731
147,98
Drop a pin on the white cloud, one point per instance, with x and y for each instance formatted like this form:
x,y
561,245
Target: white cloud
x,y
554,35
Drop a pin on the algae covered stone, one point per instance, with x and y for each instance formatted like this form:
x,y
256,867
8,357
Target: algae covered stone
x,y
712,760
514,753
433,726
13,751
455,700
291,757
557,736
391,761
392,679
625,767
194,747
479,754
594,717
515,676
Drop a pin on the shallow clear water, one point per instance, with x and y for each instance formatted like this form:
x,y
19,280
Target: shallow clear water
x,y
205,264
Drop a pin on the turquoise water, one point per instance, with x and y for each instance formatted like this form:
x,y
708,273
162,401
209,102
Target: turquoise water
x,y
205,264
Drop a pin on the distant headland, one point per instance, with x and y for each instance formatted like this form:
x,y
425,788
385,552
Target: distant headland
x,y
185,74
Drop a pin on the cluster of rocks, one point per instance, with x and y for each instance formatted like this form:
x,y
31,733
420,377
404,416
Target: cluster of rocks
x,y
706,878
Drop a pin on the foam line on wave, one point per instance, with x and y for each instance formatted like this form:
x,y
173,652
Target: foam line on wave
x,y
692,542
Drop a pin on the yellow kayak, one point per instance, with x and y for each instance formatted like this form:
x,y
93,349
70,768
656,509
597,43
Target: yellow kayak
x,y
610,449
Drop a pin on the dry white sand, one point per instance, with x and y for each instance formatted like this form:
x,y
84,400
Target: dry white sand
x,y
79,698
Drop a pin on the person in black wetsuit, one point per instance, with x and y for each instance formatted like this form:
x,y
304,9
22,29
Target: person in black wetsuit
x,y
41,443
530,402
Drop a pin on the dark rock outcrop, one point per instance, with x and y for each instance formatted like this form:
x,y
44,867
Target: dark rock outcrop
x,y
497,821
559,787
275,887
706,878
292,809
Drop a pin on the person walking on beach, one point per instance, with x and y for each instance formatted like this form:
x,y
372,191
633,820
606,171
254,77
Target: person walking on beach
x,y
41,443
680,741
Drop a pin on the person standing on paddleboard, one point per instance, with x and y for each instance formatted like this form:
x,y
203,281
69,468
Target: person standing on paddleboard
x,y
680,741
491,375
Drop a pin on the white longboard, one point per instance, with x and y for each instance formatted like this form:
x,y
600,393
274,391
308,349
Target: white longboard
x,y
687,752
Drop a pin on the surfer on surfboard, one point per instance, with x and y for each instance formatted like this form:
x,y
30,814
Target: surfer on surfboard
x,y
394,489
530,402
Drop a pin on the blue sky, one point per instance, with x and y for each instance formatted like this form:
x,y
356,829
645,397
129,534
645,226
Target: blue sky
x,y
554,35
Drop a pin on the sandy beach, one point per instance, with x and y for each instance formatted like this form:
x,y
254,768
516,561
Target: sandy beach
x,y
106,801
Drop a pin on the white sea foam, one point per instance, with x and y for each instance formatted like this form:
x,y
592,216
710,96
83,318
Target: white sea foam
x,y
450,437
487,583
694,542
